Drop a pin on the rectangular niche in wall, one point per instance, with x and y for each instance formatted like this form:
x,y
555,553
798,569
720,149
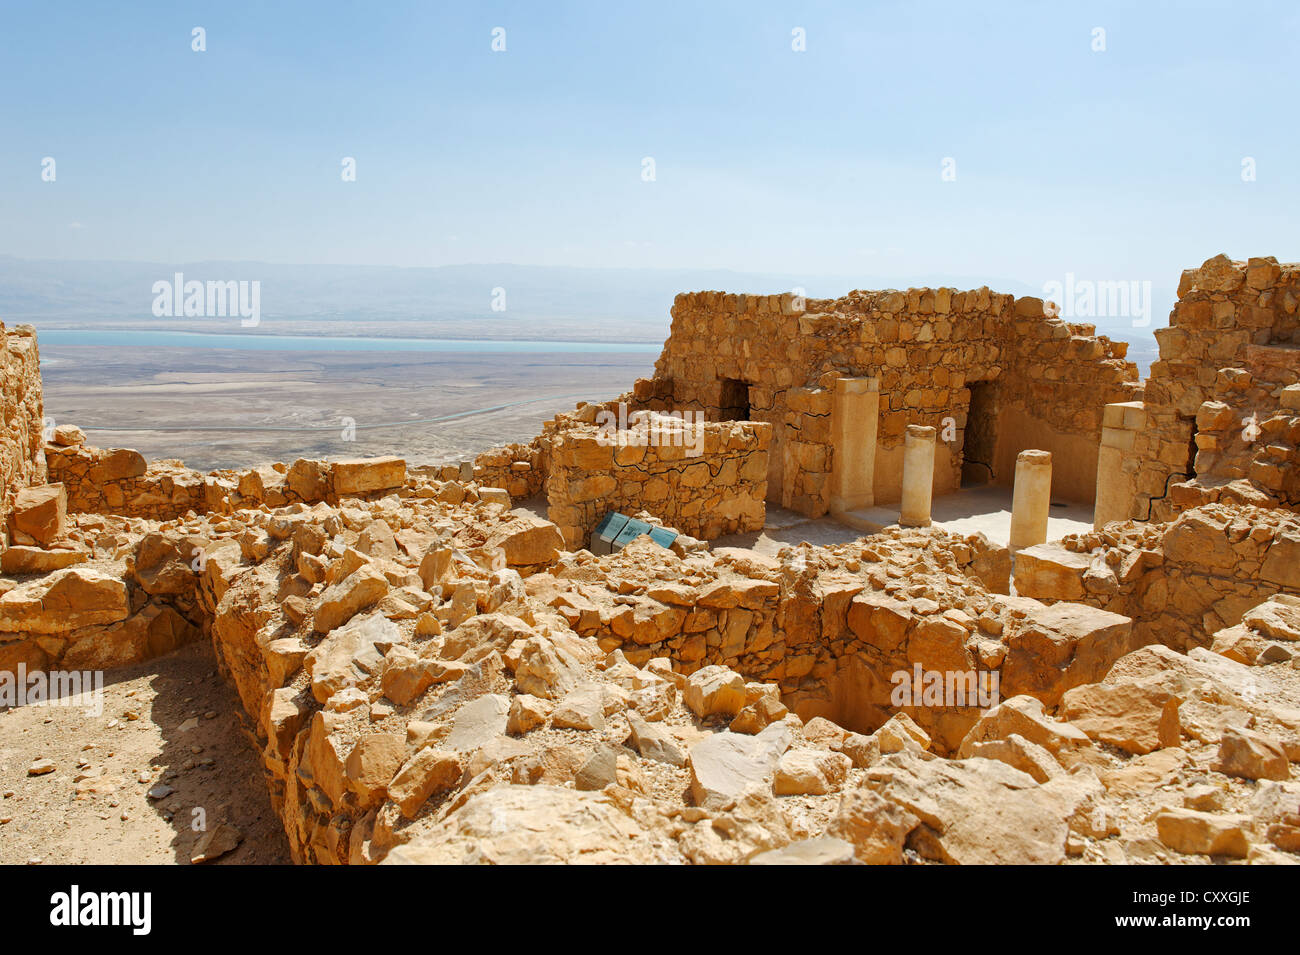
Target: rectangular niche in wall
x,y
733,400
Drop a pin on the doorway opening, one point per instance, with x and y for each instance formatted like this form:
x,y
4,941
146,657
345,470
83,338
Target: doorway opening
x,y
981,435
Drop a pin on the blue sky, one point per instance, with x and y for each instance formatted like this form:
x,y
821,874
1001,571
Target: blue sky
x,y
1122,164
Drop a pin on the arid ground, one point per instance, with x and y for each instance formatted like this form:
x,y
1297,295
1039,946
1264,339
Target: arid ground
x,y
125,784
133,392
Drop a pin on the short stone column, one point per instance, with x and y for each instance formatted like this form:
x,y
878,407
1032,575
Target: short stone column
x,y
1031,499
918,476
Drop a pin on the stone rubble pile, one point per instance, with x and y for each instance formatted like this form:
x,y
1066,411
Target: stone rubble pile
x,y
421,671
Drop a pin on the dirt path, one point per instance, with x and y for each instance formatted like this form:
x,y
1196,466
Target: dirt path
x,y
171,721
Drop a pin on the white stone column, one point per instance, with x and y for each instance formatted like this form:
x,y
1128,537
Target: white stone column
x,y
918,476
1031,499
855,414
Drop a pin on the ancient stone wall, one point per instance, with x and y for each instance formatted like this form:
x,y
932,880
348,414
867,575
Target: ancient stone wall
x,y
1182,581
1058,378
81,600
518,468
704,482
22,416
1041,382
83,618
832,626
1221,404
120,481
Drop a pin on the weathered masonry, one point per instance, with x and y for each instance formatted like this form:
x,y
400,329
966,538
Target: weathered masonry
x,y
1220,417
841,380
838,383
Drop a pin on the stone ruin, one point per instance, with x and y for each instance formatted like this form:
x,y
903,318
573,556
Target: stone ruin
x,y
1218,416
434,674
823,392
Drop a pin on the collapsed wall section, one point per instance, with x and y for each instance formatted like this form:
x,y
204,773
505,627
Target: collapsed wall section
x,y
839,629
1222,403
119,481
1181,582
109,591
109,614
518,468
705,480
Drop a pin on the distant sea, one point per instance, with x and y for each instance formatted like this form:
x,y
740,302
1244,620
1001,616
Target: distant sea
x,y
1142,351
253,341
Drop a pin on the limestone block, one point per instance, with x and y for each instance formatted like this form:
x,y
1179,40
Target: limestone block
x,y
366,475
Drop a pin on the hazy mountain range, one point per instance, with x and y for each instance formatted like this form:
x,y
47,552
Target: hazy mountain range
x,y
453,301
